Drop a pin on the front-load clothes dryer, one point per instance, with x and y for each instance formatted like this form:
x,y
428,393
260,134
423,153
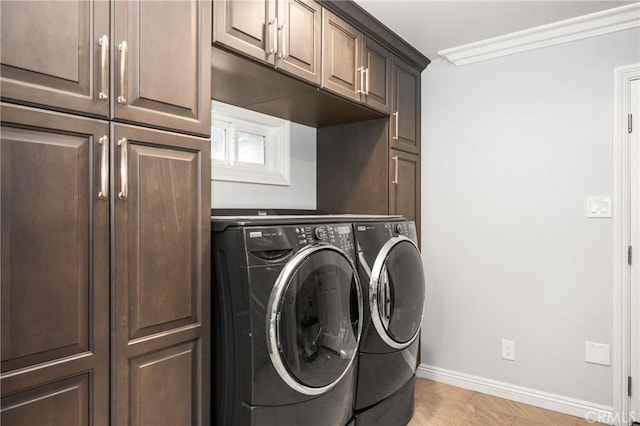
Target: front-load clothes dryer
x,y
392,275
287,323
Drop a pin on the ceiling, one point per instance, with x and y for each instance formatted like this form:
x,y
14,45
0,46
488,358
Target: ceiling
x,y
431,26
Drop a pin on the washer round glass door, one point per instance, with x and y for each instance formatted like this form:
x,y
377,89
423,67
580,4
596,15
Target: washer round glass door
x,y
397,291
314,319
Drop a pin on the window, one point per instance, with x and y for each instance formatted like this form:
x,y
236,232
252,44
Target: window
x,y
247,146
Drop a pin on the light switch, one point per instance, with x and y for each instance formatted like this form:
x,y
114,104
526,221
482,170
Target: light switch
x,y
598,207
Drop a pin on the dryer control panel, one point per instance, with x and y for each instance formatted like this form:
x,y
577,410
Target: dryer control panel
x,y
407,229
338,235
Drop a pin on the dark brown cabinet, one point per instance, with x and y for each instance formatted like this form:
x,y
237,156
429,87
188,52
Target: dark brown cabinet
x,y
51,54
374,166
405,117
161,299
105,251
341,57
153,70
161,64
55,270
404,189
300,25
376,69
282,33
61,175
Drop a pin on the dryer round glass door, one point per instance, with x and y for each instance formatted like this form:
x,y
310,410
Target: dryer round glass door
x,y
397,291
314,319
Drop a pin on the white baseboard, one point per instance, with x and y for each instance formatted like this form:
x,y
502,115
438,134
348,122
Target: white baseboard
x,y
562,404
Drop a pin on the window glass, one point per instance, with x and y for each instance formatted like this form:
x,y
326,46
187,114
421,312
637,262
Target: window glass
x,y
251,148
218,143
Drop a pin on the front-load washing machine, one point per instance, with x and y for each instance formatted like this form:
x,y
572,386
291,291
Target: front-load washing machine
x,y
287,321
392,275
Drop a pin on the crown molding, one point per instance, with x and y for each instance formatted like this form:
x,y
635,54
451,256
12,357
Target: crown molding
x,y
594,24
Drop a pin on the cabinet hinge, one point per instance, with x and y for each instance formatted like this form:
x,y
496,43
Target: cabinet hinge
x,y
629,386
629,255
629,123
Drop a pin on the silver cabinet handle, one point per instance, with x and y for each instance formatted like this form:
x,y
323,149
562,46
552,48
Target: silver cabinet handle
x,y
366,90
103,194
361,87
395,175
283,42
395,115
124,181
104,68
122,47
274,41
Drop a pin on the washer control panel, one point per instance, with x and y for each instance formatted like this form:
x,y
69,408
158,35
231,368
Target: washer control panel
x,y
276,243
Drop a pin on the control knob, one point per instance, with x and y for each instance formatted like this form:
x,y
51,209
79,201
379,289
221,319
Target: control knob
x,y
320,233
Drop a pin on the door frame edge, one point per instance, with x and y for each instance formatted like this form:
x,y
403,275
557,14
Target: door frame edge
x,y
621,361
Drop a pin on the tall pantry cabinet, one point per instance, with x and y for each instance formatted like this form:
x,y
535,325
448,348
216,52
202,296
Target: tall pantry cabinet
x,y
104,211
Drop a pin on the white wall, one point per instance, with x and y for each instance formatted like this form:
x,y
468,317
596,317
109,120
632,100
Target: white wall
x,y
511,149
301,194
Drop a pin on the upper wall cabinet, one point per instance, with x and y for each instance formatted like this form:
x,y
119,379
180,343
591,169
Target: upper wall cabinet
x,y
405,116
282,33
341,57
376,76
56,54
162,64
60,55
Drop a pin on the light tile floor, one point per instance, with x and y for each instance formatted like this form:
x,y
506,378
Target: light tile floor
x,y
438,404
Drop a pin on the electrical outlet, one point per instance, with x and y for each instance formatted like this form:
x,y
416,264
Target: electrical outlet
x,y
508,350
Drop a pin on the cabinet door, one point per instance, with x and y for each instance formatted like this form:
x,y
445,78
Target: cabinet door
x,y
404,188
247,26
405,118
51,54
55,269
300,38
161,282
162,77
341,57
377,82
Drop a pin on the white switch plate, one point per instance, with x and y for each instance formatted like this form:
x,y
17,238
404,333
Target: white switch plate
x,y
597,353
598,206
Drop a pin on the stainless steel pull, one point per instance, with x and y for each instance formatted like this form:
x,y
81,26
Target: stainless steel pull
x,y
395,136
395,175
103,194
122,47
283,41
274,36
124,180
366,90
361,87
104,69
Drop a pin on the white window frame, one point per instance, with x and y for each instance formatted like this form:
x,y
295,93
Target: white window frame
x,y
277,167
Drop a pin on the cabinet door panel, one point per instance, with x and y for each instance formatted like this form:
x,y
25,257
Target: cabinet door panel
x,y
301,38
55,261
166,63
406,102
61,403
404,194
161,284
377,60
243,25
51,54
341,56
